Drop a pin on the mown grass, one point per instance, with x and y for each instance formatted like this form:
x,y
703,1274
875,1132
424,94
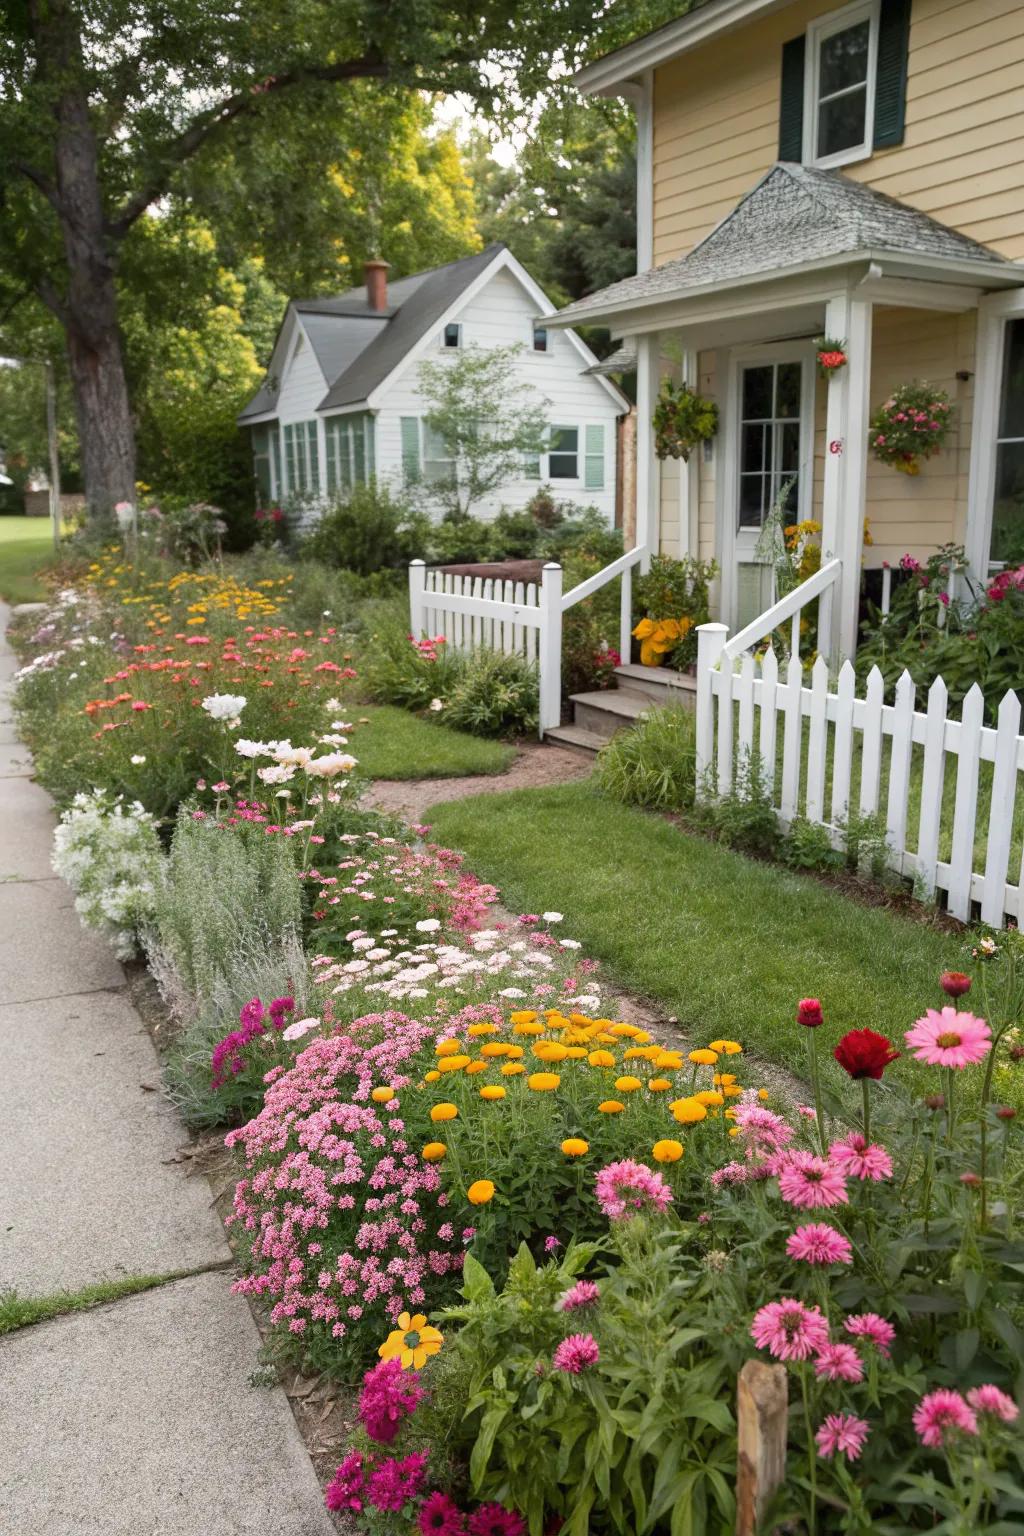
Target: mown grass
x,y
23,1311
726,944
395,744
26,547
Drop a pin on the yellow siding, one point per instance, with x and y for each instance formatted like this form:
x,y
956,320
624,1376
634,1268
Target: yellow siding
x,y
716,115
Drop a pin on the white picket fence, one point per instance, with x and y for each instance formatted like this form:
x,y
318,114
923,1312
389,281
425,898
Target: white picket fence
x,y
741,707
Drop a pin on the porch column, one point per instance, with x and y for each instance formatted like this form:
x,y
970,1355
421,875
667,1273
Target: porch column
x,y
648,475
688,474
847,319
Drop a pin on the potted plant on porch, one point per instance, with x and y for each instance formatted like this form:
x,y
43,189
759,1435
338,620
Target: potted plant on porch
x,y
672,599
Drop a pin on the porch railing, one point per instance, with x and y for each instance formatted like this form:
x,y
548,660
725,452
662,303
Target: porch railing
x,y
791,607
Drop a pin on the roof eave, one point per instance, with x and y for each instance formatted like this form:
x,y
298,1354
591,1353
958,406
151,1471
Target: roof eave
x,y
606,76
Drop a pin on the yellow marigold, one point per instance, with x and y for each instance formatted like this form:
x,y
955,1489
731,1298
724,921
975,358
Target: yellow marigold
x,y
575,1146
444,1112
723,1079
606,1038
432,1076
704,1058
575,1052
730,1114
709,1098
601,1059
581,1018
475,1067
636,1053
528,1028
476,1030
688,1111
543,1082
492,1091
624,1031
659,1084
514,1052
627,1084
734,1130
434,1151
453,1063
480,1192
550,1050
523,1016
726,1047
611,1107
494,1048
382,1095
447,1048
731,1091
667,1151
668,1061
763,1093
512,1069
641,1036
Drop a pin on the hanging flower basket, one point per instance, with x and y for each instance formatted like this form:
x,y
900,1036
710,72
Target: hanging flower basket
x,y
830,355
681,420
910,426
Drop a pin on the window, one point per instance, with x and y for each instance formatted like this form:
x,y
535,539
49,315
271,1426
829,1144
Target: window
x,y
302,458
1007,543
349,451
769,439
261,463
540,338
438,458
839,115
452,336
563,453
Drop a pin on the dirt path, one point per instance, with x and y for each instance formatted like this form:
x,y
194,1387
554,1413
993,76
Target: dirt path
x,y
534,767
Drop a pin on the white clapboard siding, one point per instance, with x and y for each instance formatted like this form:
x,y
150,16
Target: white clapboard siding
x,y
897,745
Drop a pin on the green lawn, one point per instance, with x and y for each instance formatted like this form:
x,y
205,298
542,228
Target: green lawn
x,y
398,745
26,545
726,944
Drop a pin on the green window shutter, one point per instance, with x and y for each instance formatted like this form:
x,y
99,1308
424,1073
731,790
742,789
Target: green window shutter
x,y
312,439
791,100
593,463
289,459
370,439
891,77
410,449
358,428
331,437
275,456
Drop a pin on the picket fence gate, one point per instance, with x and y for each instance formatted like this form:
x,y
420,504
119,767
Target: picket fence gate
x,y
731,702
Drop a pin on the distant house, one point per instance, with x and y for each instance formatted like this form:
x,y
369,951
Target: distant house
x,y
341,401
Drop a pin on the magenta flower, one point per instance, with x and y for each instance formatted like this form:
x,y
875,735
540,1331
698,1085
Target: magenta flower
x,y
392,1483
859,1159
875,1329
809,1181
841,1434
940,1413
389,1395
948,1038
838,1362
818,1243
789,1330
626,1187
495,1520
576,1354
989,1399
583,1294
439,1516
344,1490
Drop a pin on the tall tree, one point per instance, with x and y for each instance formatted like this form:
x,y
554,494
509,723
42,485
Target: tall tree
x,y
103,103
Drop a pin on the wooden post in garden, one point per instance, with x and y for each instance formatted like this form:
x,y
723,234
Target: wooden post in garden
x,y
711,640
550,686
762,1415
417,585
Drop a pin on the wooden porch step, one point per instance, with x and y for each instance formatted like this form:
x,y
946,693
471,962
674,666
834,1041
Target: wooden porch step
x,y
608,710
660,684
575,736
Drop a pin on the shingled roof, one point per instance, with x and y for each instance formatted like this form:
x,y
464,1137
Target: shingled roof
x,y
796,215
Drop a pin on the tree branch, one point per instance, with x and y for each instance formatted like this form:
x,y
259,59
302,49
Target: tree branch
x,y
211,122
42,183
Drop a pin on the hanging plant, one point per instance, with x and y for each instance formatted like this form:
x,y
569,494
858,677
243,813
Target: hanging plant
x,y
910,426
830,355
682,419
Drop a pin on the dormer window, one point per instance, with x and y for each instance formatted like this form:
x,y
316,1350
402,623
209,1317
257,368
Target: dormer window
x,y
841,54
452,336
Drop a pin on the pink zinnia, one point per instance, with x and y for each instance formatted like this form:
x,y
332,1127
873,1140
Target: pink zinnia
x,y
818,1243
860,1159
989,1399
949,1038
789,1330
868,1325
810,1181
583,1294
576,1353
838,1362
941,1411
440,1516
495,1520
624,1188
841,1433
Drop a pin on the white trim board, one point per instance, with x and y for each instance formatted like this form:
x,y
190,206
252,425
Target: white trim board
x,y
605,77
993,313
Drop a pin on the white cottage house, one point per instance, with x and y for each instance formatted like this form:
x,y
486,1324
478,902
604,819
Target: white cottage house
x,y
342,402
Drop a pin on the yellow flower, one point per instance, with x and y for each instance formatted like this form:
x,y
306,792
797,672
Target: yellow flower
x,y
724,1079
412,1342
710,1099
731,1091
432,1077
480,1192
575,1146
444,1112
543,1082
575,1052
492,1091
447,1048
601,1059
512,1069
453,1063
627,1084
667,1151
514,1052
434,1151
763,1093
668,1061
641,1036
726,1047
704,1058
524,1016
659,1084
494,1048
528,1028
475,1030
382,1095
625,1031
688,1111
550,1050
611,1107
734,1130
475,1067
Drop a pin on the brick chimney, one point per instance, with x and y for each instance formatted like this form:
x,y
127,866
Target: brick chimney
x,y
376,275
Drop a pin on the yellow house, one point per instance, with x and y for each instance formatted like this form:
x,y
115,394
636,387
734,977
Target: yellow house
x,y
812,168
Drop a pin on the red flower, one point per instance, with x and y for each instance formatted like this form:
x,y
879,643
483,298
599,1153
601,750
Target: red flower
x,y
955,983
864,1053
808,1013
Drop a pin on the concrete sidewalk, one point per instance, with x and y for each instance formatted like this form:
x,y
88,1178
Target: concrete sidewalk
x,y
136,1418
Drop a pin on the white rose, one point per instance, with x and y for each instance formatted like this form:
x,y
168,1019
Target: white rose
x,y
224,706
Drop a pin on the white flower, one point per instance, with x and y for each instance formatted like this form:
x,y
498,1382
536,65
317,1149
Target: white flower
x,y
428,925
137,758
224,706
246,748
552,917
334,739
299,1028
341,725
436,704
277,773
569,944
511,992
333,705
388,933
295,757
330,765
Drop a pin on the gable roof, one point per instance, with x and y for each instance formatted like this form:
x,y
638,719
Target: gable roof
x,y
613,73
799,216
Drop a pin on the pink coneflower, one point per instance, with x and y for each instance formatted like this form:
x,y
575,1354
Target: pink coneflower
x,y
841,1434
626,1187
818,1243
583,1294
949,1038
989,1399
439,1516
762,1131
810,1181
495,1520
576,1354
875,1329
838,1362
789,1330
941,1411
860,1159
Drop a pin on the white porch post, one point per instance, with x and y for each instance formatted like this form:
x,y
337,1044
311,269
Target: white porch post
x,y
648,470
688,475
846,463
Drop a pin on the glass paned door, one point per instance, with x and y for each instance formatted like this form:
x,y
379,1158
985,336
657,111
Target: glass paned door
x,y
1007,546
772,455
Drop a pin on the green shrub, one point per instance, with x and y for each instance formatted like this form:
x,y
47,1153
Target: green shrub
x,y
745,818
396,670
368,532
493,694
652,764
676,589
809,846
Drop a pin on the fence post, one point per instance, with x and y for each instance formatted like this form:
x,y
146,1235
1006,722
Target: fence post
x,y
626,615
711,640
550,701
762,1415
417,585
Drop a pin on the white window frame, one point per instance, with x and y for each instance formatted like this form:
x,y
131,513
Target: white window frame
x,y
994,312
313,485
566,426
443,342
817,33
449,463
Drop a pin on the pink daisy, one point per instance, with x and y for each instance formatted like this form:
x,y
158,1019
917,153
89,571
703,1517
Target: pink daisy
x,y
941,1411
624,1188
838,1362
818,1243
859,1159
989,1399
948,1038
843,1434
583,1294
576,1353
868,1325
810,1181
789,1330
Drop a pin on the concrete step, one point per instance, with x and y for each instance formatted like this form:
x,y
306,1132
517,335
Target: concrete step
x,y
606,711
660,684
575,736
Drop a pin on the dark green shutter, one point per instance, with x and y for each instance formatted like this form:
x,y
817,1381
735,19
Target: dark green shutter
x,y
410,449
791,102
891,79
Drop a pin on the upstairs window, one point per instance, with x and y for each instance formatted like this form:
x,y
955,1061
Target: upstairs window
x,y
540,338
841,85
452,336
